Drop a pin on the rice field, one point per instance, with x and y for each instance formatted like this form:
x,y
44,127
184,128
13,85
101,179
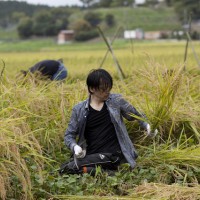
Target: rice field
x,y
34,116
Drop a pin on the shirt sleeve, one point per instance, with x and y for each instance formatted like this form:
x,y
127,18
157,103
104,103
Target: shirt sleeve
x,y
72,131
127,111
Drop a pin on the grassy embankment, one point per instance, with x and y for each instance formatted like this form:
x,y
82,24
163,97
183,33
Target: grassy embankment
x,y
148,19
34,116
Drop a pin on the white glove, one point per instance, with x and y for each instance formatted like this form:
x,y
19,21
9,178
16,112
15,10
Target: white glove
x,y
79,152
149,133
148,130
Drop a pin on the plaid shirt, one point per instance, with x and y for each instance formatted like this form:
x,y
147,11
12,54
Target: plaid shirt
x,y
117,108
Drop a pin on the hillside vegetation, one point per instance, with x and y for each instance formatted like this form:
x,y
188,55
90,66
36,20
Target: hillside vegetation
x,y
7,8
148,19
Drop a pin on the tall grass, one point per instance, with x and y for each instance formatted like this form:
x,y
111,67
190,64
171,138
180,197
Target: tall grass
x,y
19,147
168,100
34,116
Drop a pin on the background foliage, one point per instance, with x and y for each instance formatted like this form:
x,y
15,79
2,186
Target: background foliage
x,y
48,21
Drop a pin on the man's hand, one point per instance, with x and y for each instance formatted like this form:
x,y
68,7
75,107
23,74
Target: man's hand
x,y
149,133
78,151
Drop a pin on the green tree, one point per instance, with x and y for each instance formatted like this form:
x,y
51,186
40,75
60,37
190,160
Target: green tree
x,y
60,17
169,2
25,27
119,3
17,16
151,2
87,3
185,7
42,24
83,30
49,23
93,18
7,8
81,25
110,20
105,3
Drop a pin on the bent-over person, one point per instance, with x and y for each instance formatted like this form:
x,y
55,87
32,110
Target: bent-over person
x,y
50,69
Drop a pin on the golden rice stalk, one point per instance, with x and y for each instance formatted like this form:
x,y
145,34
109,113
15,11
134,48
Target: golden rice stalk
x,y
3,187
175,156
158,191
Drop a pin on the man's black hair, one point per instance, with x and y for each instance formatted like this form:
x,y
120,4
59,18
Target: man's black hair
x,y
97,78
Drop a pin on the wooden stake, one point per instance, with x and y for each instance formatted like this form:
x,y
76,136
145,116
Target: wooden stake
x,y
193,50
186,47
121,73
106,54
4,65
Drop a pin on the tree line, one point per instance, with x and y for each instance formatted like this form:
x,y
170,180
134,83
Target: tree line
x,y
43,23
38,20
182,7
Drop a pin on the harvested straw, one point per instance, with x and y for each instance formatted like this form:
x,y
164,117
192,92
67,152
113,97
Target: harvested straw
x,y
167,192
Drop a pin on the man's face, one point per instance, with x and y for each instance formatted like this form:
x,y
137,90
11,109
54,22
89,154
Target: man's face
x,y
102,93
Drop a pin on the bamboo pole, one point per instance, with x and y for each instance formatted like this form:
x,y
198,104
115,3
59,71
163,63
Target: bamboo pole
x,y
187,42
193,49
112,41
4,65
119,69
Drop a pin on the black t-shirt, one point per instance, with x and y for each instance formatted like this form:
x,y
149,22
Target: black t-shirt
x,y
100,133
46,67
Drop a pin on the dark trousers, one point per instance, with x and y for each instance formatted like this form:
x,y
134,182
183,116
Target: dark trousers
x,y
88,164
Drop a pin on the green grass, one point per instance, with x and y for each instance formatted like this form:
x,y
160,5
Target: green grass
x,y
26,45
9,34
147,19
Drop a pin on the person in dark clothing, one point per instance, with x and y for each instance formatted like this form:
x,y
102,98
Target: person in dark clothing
x,y
51,69
97,123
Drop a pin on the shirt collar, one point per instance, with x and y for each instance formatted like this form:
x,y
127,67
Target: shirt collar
x,y
88,101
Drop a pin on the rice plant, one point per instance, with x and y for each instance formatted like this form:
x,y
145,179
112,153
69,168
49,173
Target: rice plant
x,y
34,116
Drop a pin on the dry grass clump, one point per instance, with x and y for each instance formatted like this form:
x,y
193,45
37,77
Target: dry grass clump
x,y
33,122
160,191
163,89
187,157
34,116
169,99
19,149
171,102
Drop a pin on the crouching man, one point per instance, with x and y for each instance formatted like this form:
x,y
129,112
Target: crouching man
x,y
49,69
96,133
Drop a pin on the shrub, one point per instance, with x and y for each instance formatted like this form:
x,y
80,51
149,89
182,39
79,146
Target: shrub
x,y
86,35
25,27
93,18
81,25
109,19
